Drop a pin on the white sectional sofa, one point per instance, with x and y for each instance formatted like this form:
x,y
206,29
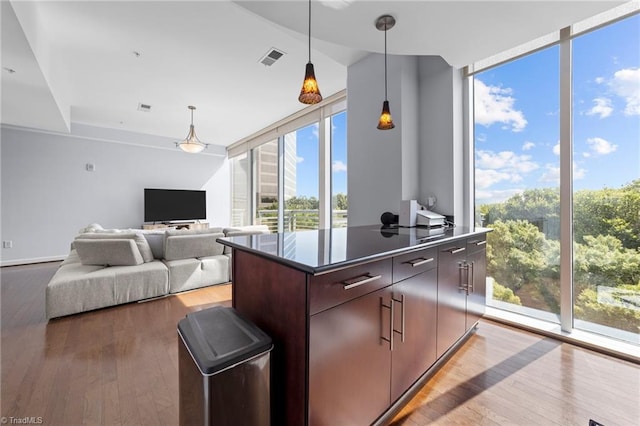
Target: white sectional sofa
x,y
111,267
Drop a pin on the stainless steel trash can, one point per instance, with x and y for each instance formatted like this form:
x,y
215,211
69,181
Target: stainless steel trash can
x,y
223,363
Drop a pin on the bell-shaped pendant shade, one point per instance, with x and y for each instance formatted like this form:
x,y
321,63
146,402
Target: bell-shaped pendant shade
x,y
310,92
385,122
192,144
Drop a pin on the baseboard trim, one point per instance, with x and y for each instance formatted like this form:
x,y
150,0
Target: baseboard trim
x,y
17,262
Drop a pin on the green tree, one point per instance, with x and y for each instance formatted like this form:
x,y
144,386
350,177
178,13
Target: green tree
x,y
505,294
609,211
515,253
340,201
603,260
589,308
302,203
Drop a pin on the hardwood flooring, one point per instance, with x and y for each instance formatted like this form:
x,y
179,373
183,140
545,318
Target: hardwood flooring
x,y
119,366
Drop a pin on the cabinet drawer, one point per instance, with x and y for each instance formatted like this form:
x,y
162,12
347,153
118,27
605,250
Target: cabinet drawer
x,y
476,243
329,290
410,264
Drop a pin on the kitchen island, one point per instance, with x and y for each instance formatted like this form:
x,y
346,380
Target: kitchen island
x,y
360,317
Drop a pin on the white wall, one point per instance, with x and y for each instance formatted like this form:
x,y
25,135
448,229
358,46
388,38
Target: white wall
x,y
441,155
423,155
48,195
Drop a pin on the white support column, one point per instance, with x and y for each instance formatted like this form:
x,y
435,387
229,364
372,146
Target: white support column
x,y
281,199
566,183
324,167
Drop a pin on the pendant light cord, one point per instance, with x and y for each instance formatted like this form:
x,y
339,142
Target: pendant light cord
x,y
309,31
385,62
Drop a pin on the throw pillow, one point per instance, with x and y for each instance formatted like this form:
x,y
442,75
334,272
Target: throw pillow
x,y
139,239
108,252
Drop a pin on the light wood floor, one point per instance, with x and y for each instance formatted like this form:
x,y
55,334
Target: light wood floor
x,y
118,366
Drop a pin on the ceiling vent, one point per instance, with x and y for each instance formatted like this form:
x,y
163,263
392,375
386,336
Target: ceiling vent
x,y
144,107
271,57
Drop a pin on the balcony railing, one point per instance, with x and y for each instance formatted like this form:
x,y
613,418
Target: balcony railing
x,y
299,220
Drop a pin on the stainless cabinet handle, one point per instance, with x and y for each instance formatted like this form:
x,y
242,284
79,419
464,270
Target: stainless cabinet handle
x,y
470,278
419,261
392,311
402,321
455,250
481,243
358,281
463,266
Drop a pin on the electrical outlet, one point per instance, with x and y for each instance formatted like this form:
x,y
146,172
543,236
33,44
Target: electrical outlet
x,y
7,244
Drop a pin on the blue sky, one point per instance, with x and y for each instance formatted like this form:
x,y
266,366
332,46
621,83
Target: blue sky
x,y
307,147
517,116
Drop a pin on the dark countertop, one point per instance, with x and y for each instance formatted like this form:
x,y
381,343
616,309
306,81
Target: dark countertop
x,y
326,250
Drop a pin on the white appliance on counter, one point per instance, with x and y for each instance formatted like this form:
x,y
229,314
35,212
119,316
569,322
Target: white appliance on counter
x,y
413,214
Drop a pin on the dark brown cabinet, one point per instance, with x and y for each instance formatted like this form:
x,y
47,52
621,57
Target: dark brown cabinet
x,y
350,361
414,349
476,264
352,339
461,289
452,297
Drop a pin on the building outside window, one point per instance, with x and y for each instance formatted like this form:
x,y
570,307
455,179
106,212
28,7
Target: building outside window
x,y
288,163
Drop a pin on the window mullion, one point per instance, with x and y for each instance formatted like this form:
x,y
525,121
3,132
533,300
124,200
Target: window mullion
x,y
566,183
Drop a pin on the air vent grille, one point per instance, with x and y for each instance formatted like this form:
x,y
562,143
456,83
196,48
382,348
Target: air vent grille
x,y
144,107
271,57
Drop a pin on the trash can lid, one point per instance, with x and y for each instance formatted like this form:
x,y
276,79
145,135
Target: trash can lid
x,y
220,337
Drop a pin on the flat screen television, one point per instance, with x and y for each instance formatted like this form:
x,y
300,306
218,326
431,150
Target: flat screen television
x,y
165,205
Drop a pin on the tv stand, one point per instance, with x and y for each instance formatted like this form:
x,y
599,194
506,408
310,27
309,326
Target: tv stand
x,y
177,225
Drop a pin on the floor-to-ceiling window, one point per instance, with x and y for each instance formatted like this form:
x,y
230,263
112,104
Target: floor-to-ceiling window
x,y
519,134
339,199
301,179
240,198
606,179
298,171
265,184
517,181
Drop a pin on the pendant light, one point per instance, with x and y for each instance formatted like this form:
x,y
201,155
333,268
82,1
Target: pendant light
x,y
191,143
384,23
310,92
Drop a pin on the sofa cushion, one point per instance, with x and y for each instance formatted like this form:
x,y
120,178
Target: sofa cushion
x,y
138,238
78,288
107,251
188,274
185,244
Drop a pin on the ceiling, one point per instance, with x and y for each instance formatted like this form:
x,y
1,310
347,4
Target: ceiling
x,y
94,62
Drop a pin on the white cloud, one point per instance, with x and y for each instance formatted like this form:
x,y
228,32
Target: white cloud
x,y
528,145
556,149
481,137
601,108
338,166
601,146
552,173
486,178
599,80
626,84
496,196
506,160
578,173
492,168
493,104
299,159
